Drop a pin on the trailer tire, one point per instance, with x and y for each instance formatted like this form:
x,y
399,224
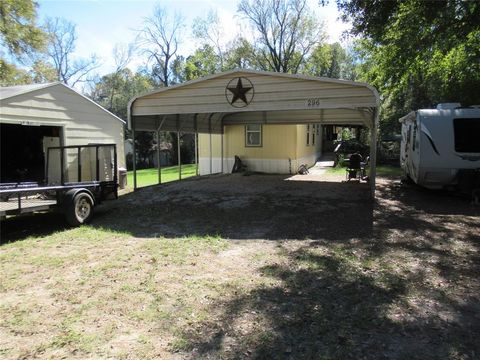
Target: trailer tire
x,y
80,209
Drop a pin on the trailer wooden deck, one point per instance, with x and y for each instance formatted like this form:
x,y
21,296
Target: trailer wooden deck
x,y
27,205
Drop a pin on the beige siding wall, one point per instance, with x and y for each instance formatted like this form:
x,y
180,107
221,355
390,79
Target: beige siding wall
x,y
283,149
82,121
312,150
204,145
278,142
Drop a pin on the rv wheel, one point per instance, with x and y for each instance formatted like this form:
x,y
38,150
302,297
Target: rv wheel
x,y
407,180
80,210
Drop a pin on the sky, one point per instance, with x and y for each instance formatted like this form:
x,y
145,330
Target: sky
x,y
101,24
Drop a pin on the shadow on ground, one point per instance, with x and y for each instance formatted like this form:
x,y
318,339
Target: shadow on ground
x,y
32,225
236,207
393,279
245,207
332,309
404,286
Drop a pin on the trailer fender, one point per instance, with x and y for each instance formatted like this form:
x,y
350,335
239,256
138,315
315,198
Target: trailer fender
x,y
70,195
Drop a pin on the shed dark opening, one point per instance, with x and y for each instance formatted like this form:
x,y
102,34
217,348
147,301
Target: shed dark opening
x,y
22,151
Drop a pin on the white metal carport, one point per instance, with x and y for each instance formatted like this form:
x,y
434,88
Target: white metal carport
x,y
205,105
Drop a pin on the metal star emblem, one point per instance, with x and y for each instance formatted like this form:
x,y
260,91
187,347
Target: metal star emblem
x,y
239,92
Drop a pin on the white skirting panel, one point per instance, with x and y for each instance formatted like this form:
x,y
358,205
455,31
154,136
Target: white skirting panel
x,y
273,166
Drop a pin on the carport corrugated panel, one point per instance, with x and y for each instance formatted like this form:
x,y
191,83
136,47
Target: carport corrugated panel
x,y
264,82
184,123
271,93
324,116
262,93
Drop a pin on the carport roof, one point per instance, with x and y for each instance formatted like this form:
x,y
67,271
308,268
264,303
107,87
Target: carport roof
x,y
206,104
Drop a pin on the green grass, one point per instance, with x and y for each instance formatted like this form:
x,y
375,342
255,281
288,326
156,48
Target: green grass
x,y
93,292
146,177
101,278
382,170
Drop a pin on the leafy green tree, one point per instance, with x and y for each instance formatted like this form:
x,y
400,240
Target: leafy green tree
x,y
331,60
20,37
417,53
241,55
114,91
12,75
178,70
42,72
204,61
18,29
39,71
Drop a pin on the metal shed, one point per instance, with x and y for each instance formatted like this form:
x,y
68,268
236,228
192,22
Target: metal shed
x,y
208,104
34,117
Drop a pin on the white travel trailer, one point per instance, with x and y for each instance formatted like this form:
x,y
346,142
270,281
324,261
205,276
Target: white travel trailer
x,y
441,147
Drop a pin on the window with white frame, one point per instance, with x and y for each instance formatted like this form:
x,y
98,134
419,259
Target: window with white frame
x,y
253,135
313,133
308,134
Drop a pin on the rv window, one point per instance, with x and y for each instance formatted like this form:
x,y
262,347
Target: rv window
x,y
467,133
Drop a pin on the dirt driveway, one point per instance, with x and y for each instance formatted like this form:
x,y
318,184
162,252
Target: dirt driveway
x,y
307,270
246,207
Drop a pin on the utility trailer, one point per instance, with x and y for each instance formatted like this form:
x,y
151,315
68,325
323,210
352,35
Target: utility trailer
x,y
440,147
77,178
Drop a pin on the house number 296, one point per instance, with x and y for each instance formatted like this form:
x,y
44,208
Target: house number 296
x,y
313,102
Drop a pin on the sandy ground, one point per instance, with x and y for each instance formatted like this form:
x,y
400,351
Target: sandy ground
x,y
313,269
248,207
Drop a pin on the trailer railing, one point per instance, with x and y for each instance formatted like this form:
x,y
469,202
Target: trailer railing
x,y
81,163
79,148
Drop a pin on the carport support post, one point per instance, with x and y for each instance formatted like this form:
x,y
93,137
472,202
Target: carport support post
x,y
196,153
158,150
134,150
179,157
210,136
158,158
210,142
373,153
195,127
221,154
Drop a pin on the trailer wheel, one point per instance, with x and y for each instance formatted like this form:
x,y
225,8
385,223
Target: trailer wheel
x,y
80,209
